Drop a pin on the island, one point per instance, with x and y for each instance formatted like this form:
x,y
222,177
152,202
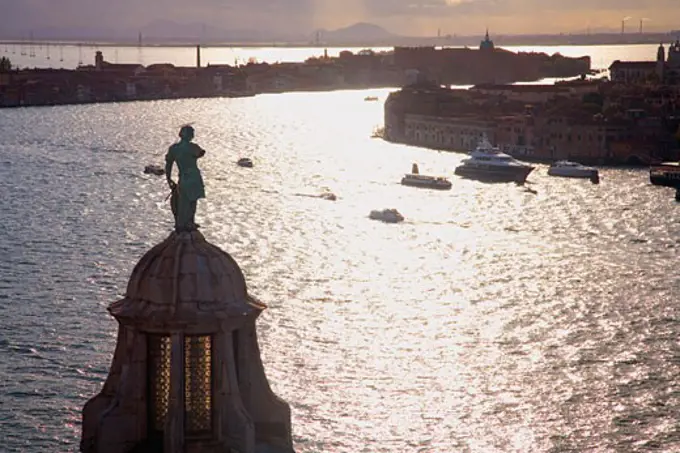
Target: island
x,y
111,82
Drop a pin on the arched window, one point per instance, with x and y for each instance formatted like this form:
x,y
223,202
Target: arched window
x,y
198,376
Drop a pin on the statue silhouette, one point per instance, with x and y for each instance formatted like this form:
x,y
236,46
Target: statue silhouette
x,y
189,187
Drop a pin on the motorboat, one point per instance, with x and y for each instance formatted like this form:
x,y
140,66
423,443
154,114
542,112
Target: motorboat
x,y
570,169
665,174
387,215
429,182
154,170
488,163
371,98
245,162
415,179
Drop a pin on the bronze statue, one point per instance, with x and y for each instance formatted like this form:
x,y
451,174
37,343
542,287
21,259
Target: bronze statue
x,y
189,187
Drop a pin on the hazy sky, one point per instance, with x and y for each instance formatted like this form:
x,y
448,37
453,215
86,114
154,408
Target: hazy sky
x,y
414,17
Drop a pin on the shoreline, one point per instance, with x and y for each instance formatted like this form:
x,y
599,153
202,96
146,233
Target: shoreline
x,y
599,163
207,96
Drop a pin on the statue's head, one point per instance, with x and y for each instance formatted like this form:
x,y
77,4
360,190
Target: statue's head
x,y
186,133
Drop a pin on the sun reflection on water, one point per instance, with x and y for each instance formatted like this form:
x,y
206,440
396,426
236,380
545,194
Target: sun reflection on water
x,y
491,319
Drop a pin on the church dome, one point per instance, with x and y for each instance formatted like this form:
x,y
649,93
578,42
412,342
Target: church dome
x,y
185,281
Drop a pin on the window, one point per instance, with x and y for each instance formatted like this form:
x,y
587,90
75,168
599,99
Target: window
x,y
158,373
198,385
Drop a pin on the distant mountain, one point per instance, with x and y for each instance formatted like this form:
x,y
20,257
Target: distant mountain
x,y
361,32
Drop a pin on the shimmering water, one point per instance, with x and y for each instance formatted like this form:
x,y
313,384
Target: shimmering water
x,y
493,319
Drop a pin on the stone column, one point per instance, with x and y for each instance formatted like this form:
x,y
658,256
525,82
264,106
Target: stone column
x,y
270,413
234,426
123,423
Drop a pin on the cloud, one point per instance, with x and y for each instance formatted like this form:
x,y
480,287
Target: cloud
x,y
302,16
453,8
519,16
27,14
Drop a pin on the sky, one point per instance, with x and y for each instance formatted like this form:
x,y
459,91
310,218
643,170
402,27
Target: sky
x,y
405,17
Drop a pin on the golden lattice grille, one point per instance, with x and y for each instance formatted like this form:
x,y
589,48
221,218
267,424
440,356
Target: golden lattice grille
x,y
159,379
198,384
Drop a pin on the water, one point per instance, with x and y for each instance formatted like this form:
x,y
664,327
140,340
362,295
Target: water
x,y
69,56
492,320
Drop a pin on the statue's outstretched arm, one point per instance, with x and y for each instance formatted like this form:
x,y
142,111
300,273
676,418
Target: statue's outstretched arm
x,y
200,152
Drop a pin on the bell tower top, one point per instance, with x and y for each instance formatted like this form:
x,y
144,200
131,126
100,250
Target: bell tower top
x,y
186,376
487,44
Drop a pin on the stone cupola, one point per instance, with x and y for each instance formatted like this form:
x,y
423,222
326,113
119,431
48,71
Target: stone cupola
x,y
186,375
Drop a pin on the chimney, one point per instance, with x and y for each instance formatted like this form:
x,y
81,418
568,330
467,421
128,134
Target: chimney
x,y
198,56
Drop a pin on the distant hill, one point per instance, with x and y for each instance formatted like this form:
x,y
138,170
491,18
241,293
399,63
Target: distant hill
x,y
361,32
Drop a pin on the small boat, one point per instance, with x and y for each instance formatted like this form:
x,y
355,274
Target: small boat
x,y
245,162
415,179
570,169
665,174
154,170
387,215
488,163
371,98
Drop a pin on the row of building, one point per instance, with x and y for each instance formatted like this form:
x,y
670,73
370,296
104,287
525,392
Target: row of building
x,y
107,82
590,121
665,69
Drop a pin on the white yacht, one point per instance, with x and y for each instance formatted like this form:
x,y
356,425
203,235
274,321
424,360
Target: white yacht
x,y
570,169
488,163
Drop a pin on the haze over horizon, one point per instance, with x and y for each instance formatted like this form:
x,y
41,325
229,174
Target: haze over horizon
x,y
293,17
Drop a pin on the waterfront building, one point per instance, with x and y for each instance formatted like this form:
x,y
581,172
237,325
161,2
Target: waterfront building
x,y
460,134
632,71
573,137
595,122
517,135
665,69
523,93
488,64
121,69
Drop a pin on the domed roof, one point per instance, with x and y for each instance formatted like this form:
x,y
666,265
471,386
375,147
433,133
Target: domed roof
x,y
186,281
